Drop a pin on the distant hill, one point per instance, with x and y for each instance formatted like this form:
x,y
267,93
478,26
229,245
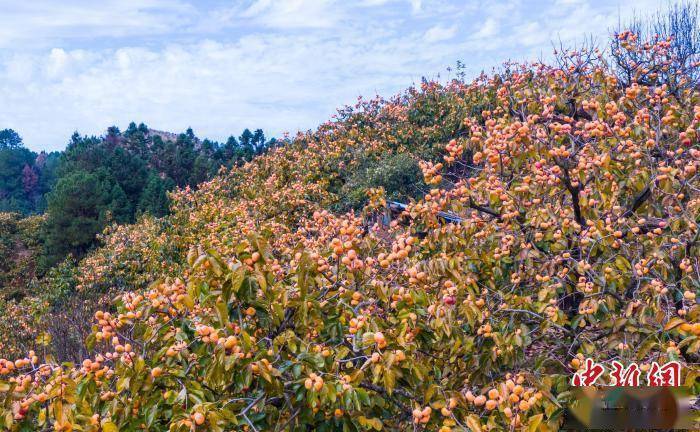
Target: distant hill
x,y
166,136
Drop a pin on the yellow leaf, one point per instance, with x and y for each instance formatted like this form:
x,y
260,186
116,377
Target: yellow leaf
x,y
534,422
187,301
375,423
673,323
473,423
109,427
43,339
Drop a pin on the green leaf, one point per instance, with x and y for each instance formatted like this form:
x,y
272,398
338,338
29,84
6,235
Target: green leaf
x,y
222,312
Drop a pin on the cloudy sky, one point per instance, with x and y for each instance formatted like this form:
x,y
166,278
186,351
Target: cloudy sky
x,y
280,65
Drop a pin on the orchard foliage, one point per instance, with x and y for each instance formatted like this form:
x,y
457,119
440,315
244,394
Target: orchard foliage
x,y
19,246
579,199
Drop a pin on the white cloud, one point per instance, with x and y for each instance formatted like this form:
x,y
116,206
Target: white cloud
x,y
291,14
416,5
374,2
277,83
439,33
56,63
36,23
488,28
558,3
19,69
277,65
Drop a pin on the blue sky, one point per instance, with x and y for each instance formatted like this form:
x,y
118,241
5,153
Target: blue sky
x,y
280,65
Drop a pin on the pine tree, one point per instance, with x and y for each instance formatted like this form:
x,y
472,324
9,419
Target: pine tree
x,y
79,207
9,139
154,199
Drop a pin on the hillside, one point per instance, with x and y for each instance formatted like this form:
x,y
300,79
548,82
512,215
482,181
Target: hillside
x,y
277,296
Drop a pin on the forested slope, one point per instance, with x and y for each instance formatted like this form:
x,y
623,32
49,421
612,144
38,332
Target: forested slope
x,y
258,304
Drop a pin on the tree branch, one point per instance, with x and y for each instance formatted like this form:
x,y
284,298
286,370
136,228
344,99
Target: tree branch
x,y
484,209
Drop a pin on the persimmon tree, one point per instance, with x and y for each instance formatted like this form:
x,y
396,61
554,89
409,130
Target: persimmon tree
x,y
578,207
